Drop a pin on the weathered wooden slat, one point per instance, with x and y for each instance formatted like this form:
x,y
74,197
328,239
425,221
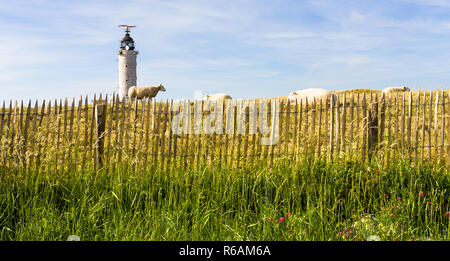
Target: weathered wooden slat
x,y
273,111
287,128
359,133
338,124
372,129
147,130
389,122
170,136
382,120
33,137
100,121
416,143
91,132
46,135
157,130
319,128
77,133
2,117
220,128
448,131
436,109
133,146
344,121
364,126
443,126
64,134
313,127
246,131
140,138
121,130
295,136
423,127
332,105
396,127
58,132
254,128
187,130
69,156
11,132
299,130
406,146
4,137
306,142
86,137
25,136
109,131
410,106
163,134
352,114
126,138
430,117
198,122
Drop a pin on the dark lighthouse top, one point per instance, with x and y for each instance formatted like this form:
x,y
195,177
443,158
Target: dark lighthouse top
x,y
127,42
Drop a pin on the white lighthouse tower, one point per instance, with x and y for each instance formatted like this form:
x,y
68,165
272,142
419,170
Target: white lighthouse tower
x,y
127,63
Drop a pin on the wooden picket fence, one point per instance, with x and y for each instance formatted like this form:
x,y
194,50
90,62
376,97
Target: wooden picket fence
x,y
109,134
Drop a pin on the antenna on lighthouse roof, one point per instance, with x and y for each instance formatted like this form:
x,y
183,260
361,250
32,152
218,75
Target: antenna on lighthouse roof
x,y
127,30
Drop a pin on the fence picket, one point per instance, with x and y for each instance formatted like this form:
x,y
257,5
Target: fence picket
x,y
442,125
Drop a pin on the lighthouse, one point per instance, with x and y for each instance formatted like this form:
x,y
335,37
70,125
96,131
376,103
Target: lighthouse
x,y
127,63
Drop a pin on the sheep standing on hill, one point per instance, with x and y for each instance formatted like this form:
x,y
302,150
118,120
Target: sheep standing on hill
x,y
396,89
311,94
217,97
145,91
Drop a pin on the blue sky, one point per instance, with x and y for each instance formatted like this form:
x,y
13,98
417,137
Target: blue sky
x,y
248,48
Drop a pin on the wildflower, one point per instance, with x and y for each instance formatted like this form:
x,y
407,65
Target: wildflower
x,y
281,219
398,199
270,219
340,233
289,214
429,202
350,230
447,214
378,172
421,194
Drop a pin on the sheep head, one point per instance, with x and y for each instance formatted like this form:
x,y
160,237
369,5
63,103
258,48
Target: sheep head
x,y
406,89
161,88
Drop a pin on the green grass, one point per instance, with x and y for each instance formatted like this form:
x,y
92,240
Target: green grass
x,y
325,201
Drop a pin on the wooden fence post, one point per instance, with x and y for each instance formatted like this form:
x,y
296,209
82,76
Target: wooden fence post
x,y
331,127
100,119
372,128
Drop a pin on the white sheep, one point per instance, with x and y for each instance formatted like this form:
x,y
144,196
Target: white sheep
x,y
144,91
396,89
311,94
217,97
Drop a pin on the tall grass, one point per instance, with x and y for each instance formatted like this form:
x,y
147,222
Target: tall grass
x,y
319,200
